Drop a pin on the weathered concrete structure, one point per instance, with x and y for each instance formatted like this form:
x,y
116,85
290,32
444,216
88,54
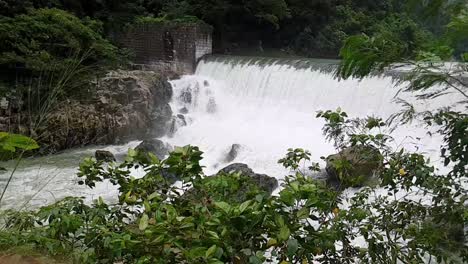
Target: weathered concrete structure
x,y
168,47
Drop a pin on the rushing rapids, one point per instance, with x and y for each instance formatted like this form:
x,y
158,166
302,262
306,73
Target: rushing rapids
x,y
269,105
264,106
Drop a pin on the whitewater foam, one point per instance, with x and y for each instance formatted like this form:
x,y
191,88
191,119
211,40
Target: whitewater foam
x,y
265,105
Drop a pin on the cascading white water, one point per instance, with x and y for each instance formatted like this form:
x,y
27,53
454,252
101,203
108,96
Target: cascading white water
x,y
268,106
265,105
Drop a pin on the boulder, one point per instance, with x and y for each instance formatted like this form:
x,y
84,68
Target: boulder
x,y
181,120
161,91
263,181
353,167
122,106
233,152
186,96
104,155
177,121
230,187
161,118
183,110
155,146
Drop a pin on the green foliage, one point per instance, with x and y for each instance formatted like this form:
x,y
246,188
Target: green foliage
x,y
204,220
11,146
230,188
348,18
12,142
395,38
45,39
309,27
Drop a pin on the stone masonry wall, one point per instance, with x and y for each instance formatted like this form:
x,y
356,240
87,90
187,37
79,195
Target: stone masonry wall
x,y
162,47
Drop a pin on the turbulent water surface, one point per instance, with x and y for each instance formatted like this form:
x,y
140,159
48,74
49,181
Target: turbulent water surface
x,y
265,105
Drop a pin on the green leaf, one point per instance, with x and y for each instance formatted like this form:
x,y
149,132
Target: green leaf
x,y
287,197
11,142
294,185
210,251
272,242
153,195
284,233
215,261
143,222
147,206
212,234
197,252
292,247
465,57
279,220
255,260
303,213
154,159
131,152
223,206
244,206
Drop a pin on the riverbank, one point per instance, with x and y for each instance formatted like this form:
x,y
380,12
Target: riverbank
x,y
122,106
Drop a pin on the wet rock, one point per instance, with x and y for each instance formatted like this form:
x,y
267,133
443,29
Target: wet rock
x,y
161,119
177,122
186,96
362,163
249,185
233,152
181,120
124,106
155,146
183,110
104,155
263,181
161,91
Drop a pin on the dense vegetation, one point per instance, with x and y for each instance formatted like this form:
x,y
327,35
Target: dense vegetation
x,y
154,221
203,220
306,27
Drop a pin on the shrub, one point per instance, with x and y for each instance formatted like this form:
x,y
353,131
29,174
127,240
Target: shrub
x,y
46,39
156,222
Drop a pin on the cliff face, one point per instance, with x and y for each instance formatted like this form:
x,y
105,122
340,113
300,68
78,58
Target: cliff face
x,y
125,105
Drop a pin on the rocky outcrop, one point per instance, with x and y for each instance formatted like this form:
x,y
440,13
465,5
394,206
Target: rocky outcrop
x,y
235,183
263,181
104,155
353,167
123,106
155,146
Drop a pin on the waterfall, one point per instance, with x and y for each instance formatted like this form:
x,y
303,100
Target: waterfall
x,y
262,105
269,105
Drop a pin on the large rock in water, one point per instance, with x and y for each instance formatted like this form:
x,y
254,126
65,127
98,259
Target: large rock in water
x,y
155,146
229,187
263,181
104,155
353,167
